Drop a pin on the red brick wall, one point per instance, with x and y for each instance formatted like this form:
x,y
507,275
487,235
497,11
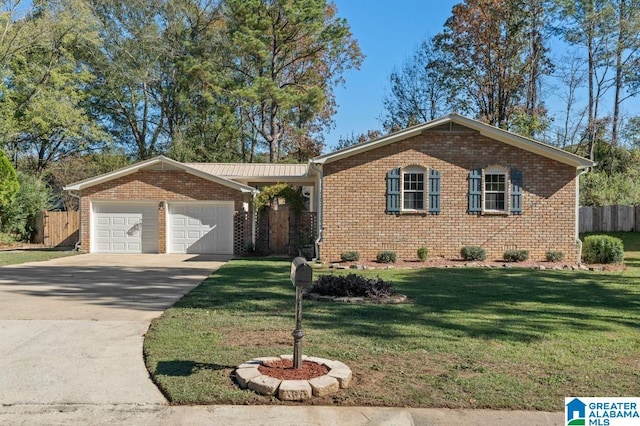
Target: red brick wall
x,y
354,201
163,185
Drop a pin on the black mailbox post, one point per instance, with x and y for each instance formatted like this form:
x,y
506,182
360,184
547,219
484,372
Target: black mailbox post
x,y
301,277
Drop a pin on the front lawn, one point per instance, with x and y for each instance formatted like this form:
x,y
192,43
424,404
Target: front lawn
x,y
14,257
472,338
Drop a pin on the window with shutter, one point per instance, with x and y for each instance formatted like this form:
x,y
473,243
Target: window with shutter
x,y
495,192
413,189
475,191
393,191
434,192
516,191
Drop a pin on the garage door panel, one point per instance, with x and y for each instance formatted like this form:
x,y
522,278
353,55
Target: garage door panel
x,y
125,228
118,247
202,229
102,247
194,234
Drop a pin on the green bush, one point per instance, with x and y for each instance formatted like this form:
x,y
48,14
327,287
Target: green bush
x,y
554,256
6,239
18,215
602,249
386,256
515,255
9,184
473,253
352,285
423,252
350,256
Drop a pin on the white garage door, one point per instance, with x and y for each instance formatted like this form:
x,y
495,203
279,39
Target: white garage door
x,y
125,228
201,228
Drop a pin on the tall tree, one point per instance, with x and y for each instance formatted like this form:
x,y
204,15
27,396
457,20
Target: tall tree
x,y
200,118
129,80
45,85
536,20
285,58
571,75
627,58
420,91
485,41
589,24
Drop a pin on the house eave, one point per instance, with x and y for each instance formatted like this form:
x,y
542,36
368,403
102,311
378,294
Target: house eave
x,y
274,179
160,160
484,129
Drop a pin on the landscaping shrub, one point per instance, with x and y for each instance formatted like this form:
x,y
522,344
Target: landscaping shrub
x,y
473,253
18,215
350,256
554,256
515,255
352,285
423,252
6,239
386,256
602,249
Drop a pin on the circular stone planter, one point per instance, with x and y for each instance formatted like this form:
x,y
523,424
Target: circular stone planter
x,y
249,377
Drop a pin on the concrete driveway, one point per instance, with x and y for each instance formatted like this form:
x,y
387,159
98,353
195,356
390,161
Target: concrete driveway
x,y
71,329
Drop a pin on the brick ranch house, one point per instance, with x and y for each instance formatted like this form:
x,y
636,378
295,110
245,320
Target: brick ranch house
x,y
445,184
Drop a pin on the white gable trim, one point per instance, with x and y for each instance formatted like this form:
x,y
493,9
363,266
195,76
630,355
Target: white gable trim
x,y
160,160
492,132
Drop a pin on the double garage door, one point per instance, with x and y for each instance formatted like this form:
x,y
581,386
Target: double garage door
x,y
205,228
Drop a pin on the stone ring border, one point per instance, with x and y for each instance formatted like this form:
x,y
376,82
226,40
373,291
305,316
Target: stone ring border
x,y
248,376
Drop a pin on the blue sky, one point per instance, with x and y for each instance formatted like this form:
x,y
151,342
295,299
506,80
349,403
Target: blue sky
x,y
388,33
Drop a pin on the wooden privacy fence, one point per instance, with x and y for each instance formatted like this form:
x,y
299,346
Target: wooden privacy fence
x,y
609,219
57,229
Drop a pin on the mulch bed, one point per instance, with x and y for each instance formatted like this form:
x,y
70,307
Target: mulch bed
x,y
283,370
439,262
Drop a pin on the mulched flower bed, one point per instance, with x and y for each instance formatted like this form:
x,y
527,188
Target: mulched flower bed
x,y
283,370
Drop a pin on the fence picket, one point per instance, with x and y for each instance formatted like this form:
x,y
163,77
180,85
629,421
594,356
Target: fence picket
x,y
609,219
57,229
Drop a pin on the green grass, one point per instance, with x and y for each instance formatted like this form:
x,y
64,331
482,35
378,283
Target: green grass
x,y
14,257
471,338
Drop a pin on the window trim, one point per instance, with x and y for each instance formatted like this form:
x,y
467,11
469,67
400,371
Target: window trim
x,y
496,170
414,169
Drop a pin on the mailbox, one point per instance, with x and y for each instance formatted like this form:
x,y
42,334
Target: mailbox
x,y
301,273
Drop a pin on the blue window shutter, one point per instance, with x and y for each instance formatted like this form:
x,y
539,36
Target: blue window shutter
x,y
475,191
516,191
393,191
434,192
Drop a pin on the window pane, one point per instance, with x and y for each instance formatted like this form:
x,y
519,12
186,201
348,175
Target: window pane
x,y
414,182
494,183
494,201
414,200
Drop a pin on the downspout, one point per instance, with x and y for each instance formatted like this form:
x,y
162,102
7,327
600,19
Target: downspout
x,y
577,213
76,247
318,169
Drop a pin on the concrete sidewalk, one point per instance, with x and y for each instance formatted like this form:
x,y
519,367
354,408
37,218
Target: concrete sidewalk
x,y
156,415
